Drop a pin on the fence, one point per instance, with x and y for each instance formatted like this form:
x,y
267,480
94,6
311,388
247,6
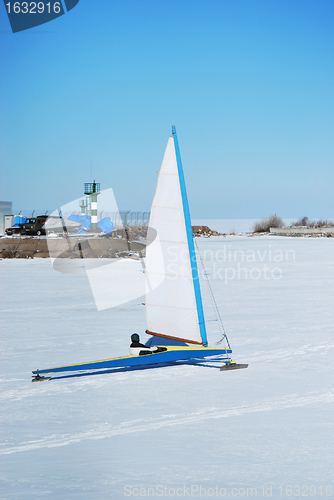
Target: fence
x,y
126,218
119,219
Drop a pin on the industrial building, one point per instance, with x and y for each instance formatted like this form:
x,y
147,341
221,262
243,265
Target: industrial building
x,y
5,209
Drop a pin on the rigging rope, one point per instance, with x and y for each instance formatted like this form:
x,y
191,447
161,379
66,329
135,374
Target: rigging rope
x,y
220,322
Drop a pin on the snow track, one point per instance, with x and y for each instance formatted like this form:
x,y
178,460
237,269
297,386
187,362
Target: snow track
x,y
149,425
301,354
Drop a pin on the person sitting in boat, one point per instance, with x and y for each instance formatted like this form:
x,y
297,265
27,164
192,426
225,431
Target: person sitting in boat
x,y
138,349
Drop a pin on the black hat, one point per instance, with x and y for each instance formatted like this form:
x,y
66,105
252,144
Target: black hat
x,y
135,337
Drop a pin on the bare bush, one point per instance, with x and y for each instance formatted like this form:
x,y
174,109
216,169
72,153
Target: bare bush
x,y
264,225
302,222
306,222
323,223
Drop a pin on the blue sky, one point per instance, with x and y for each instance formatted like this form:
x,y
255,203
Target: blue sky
x,y
248,84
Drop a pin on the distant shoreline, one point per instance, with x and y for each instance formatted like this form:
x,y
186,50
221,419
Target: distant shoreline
x,y
229,226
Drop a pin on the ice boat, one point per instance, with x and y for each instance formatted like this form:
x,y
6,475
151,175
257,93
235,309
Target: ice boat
x,y
174,310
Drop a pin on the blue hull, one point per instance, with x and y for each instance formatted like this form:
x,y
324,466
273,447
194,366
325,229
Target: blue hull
x,y
171,355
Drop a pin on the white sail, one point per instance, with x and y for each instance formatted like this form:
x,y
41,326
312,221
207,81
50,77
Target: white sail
x,y
171,309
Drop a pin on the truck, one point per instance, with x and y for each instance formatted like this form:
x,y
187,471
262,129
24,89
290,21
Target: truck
x,y
31,226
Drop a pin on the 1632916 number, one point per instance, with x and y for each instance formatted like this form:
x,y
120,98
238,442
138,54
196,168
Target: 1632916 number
x,y
305,491
33,7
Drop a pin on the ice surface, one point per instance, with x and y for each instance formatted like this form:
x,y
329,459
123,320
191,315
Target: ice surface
x,y
184,430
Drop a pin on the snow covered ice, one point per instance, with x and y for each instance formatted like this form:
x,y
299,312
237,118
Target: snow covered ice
x,y
174,431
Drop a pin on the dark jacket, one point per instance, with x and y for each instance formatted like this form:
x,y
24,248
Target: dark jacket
x,y
138,344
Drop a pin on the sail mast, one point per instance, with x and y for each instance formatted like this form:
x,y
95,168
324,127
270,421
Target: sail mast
x,y
190,240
